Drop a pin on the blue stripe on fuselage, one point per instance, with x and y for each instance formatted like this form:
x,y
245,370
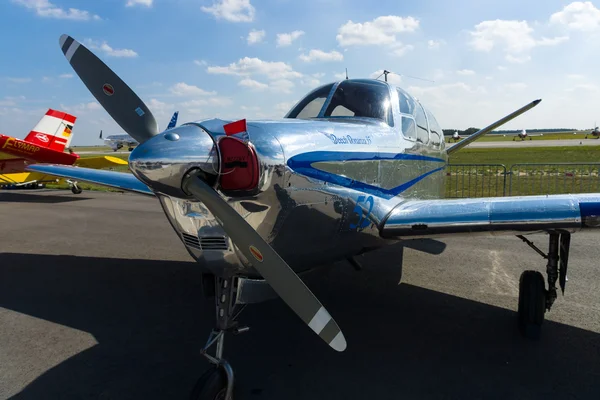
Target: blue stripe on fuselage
x,y
302,164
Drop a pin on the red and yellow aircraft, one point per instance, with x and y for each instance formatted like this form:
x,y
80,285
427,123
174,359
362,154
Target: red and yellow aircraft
x,y
46,143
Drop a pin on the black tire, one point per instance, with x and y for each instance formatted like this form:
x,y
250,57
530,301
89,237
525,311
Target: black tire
x,y
76,189
212,385
532,304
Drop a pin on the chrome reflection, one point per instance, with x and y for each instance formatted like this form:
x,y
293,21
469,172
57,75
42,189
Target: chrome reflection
x,y
161,162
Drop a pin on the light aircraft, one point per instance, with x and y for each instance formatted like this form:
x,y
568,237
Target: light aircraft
x,y
46,143
456,137
354,165
524,135
595,133
116,142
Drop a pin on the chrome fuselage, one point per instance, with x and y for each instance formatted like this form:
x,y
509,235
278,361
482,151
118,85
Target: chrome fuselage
x,y
324,186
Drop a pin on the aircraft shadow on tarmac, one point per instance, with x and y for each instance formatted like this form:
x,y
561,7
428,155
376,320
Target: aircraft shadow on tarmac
x,y
20,197
150,321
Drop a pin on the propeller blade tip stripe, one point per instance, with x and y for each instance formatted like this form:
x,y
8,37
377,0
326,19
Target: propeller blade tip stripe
x,y
339,342
319,320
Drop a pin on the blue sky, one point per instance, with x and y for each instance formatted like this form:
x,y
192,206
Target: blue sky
x,y
254,59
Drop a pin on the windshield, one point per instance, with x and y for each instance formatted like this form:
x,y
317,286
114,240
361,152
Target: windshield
x,y
310,106
356,98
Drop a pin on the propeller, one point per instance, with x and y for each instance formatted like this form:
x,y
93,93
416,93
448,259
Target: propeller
x,y
130,112
118,99
269,264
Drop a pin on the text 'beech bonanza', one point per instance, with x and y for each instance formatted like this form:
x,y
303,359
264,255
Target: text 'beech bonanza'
x,y
355,165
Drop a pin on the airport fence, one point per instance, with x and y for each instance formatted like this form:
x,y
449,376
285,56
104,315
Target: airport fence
x,y
483,180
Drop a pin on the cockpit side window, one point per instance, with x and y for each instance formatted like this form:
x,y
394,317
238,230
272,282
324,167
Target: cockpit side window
x,y
422,131
436,130
361,99
311,105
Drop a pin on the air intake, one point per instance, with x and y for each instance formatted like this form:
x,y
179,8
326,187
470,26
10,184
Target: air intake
x,y
191,241
213,243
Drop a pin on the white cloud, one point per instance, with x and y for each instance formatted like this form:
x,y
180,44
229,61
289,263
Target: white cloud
x,y
200,63
575,76
446,94
310,82
65,76
254,66
131,3
340,76
7,103
501,68
45,9
435,44
394,79
284,107
81,108
381,31
213,101
286,39
513,37
465,72
518,59
282,86
252,84
232,10
109,51
515,86
400,49
18,80
183,89
579,15
320,55
255,36
586,87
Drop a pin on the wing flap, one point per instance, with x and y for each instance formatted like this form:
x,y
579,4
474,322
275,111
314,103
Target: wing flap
x,y
492,215
118,180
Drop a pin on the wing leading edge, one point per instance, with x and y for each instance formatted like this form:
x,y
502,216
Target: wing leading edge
x,y
493,215
118,180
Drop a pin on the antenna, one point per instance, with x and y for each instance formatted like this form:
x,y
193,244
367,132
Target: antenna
x,y
386,73
346,73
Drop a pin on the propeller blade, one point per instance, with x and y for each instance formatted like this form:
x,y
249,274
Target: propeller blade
x,y
269,264
118,99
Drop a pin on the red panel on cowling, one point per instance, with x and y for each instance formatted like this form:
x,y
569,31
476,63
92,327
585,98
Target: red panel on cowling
x,y
239,163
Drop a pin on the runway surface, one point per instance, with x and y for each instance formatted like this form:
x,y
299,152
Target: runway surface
x,y
100,300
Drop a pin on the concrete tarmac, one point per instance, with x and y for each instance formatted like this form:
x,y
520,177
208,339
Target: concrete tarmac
x,y
100,300
533,143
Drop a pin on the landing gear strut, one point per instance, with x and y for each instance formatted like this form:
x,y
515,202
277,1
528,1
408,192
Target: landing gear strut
x,y
74,187
534,299
217,383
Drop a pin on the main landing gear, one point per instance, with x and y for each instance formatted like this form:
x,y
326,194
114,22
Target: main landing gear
x,y
534,298
75,189
217,382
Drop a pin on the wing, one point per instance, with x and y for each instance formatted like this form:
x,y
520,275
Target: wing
x,y
100,162
118,180
494,215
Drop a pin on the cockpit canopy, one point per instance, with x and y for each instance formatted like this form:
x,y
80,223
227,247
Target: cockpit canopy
x,y
351,98
369,99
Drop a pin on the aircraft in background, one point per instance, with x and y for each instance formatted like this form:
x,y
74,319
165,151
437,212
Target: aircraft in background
x,y
595,133
354,166
524,135
46,143
456,137
117,142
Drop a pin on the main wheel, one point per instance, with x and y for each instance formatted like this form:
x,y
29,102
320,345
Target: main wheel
x,y
212,385
76,189
532,304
